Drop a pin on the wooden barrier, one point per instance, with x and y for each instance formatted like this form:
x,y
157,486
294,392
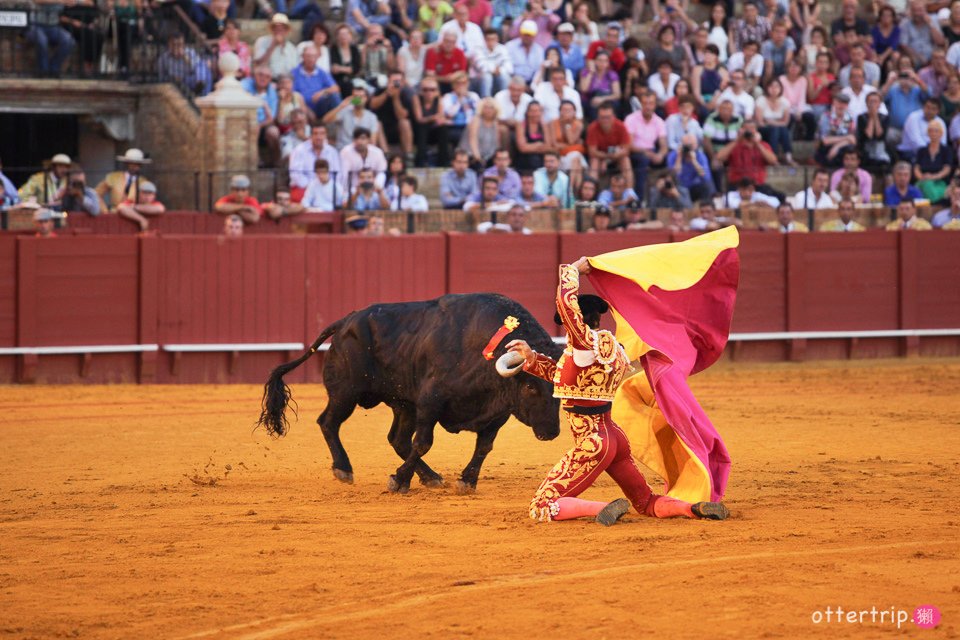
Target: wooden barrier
x,y
108,299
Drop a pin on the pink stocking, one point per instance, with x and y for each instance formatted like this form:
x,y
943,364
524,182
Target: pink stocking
x,y
664,507
570,508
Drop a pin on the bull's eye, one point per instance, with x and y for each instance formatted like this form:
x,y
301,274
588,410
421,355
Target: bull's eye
x,y
530,391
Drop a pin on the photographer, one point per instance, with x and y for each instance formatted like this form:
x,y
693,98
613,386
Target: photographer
x,y
748,157
667,194
691,168
368,195
77,196
619,197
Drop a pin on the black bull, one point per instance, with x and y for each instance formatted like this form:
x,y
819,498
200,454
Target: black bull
x,y
423,360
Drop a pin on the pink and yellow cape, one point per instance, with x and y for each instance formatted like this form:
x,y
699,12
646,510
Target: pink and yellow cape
x,y
673,304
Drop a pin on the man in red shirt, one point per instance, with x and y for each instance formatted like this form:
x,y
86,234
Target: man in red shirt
x,y
748,157
446,61
610,44
239,201
43,222
608,141
145,205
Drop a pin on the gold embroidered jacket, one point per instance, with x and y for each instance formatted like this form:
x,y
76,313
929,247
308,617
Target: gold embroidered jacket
x,y
594,364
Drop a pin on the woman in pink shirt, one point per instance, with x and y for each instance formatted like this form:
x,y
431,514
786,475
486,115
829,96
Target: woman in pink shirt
x,y
230,41
794,85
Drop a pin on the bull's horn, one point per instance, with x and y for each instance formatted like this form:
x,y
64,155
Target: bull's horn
x,y
510,364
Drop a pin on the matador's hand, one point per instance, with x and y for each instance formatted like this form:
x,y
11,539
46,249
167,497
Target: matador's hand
x,y
521,347
582,265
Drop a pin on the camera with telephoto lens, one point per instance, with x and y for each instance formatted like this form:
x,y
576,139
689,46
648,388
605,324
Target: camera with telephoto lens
x,y
748,135
592,205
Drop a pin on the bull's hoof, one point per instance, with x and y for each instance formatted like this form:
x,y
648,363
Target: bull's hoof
x,y
393,486
465,488
343,476
432,483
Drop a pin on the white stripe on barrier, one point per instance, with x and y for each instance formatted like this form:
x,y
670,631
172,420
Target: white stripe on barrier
x,y
240,346
66,350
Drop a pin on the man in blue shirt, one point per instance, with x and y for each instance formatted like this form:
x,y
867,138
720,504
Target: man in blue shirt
x,y
619,197
316,86
903,98
570,54
692,168
525,53
901,189
508,178
458,183
261,86
549,181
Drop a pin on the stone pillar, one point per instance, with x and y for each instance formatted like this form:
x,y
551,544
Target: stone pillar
x,y
228,133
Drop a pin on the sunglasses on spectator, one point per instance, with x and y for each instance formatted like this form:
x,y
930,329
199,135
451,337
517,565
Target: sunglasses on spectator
x,y
431,89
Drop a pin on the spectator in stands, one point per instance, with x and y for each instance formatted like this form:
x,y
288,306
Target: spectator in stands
x,y
275,50
525,53
785,221
637,219
43,186
903,96
183,66
901,189
429,123
323,194
118,186
950,97
319,37
359,155
600,221
298,133
919,33
751,27
411,59
261,87
8,192
721,128
950,215
352,114
446,61
736,93
691,168
43,223
817,195
459,107
458,182
750,63
376,228
610,44
516,223
599,85
345,59
282,206
916,129
533,139
288,101
233,226
667,194
678,221
820,86
491,67
512,103
588,192
670,51
745,193
849,19
907,218
934,165
45,32
84,22
304,157
215,19
362,14
230,42
648,139
432,14
356,225
367,194
409,199
376,57
708,220
709,79
479,12
858,60
545,21
470,37
748,157
489,194
551,94
794,85
851,166
551,182
568,135
392,106
508,180
396,171
571,54
619,197
773,120
144,207
317,87
482,137
837,133
662,82
777,52
529,197
608,143
872,129
885,34
238,201
77,196
858,92
845,223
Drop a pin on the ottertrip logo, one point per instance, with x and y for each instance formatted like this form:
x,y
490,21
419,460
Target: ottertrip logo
x,y
926,616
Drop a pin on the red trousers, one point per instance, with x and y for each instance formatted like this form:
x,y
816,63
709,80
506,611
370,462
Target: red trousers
x,y
599,445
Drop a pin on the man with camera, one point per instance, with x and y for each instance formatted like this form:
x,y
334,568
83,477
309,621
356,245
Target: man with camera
x,y
368,195
748,157
76,196
691,168
393,105
667,194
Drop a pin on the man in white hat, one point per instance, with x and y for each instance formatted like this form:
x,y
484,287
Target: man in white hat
x,y
274,49
43,186
525,53
570,53
146,205
119,186
43,223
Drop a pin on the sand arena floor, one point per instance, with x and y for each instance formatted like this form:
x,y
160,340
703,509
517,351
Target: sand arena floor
x,y
142,512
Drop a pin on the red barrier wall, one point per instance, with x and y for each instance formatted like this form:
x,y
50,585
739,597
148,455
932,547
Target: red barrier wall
x,y
194,223
169,289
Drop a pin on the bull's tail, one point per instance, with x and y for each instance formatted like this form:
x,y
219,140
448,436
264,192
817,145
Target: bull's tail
x,y
276,393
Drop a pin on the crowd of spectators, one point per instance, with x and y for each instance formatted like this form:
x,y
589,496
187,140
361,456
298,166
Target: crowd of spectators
x,y
539,104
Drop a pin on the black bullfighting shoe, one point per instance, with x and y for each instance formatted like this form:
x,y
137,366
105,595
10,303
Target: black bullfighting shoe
x,y
613,512
711,510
